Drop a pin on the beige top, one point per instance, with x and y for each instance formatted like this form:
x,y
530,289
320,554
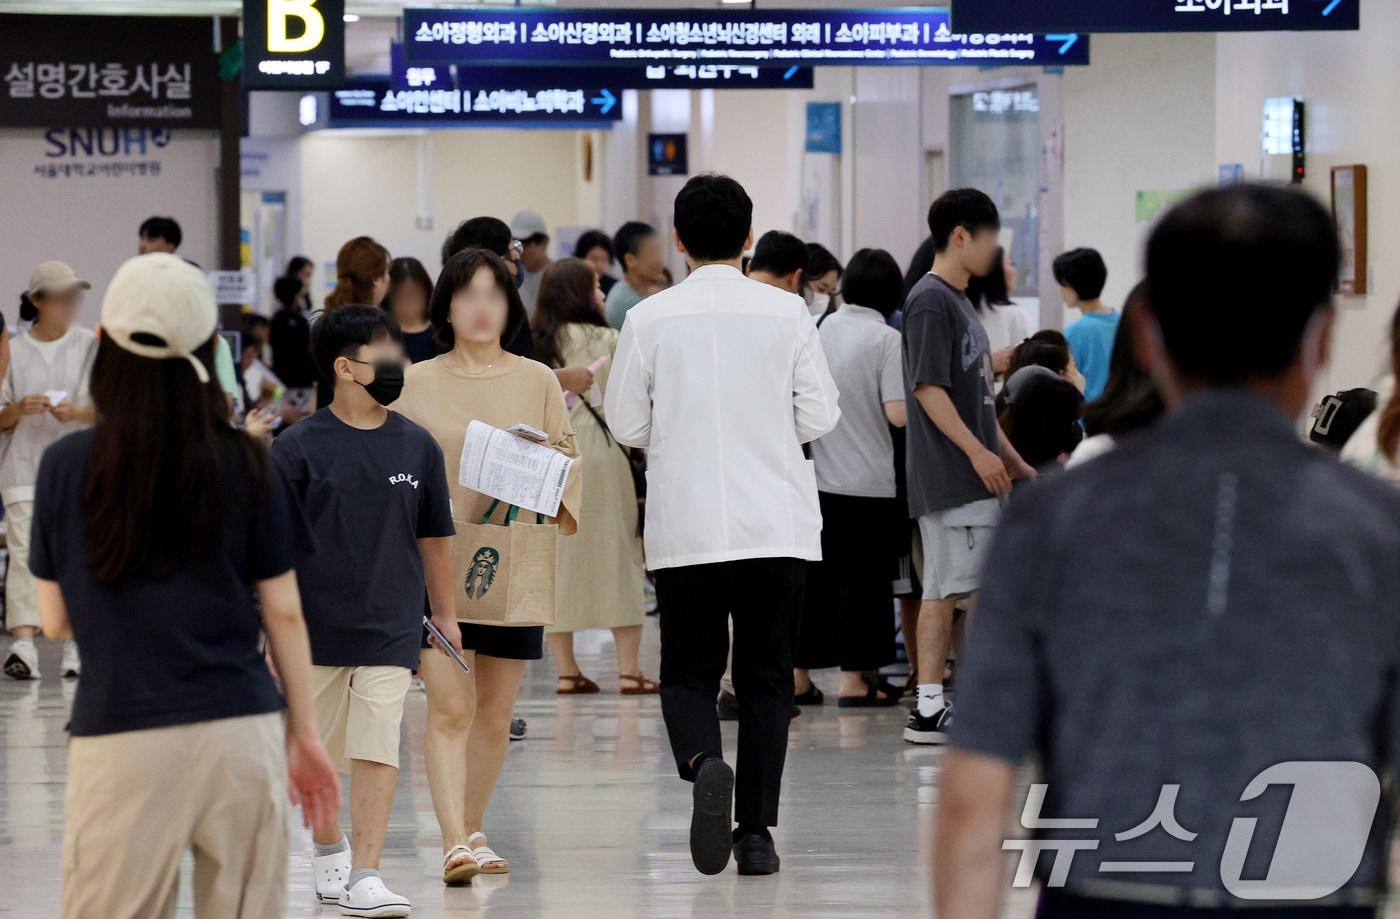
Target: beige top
x,y
516,391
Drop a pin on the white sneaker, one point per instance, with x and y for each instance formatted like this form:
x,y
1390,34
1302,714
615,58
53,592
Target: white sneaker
x,y
332,871
23,660
72,665
371,898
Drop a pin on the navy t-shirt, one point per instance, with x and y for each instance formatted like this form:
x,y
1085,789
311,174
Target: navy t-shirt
x,y
175,650
370,496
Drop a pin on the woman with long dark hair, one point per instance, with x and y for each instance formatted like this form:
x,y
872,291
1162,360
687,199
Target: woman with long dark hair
x,y
600,574
1129,402
410,288
152,532
1375,446
475,308
44,397
1006,324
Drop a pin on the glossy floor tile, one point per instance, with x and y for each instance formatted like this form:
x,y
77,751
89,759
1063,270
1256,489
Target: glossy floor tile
x,y
589,812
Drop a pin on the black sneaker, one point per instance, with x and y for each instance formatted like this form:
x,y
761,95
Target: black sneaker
x,y
756,854
711,819
930,730
517,729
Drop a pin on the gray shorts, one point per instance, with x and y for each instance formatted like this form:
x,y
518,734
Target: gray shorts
x,y
955,543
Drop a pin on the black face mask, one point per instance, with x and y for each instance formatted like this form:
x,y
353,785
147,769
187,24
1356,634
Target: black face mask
x,y
387,382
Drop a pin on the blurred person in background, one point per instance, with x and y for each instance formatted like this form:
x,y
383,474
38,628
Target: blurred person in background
x,y
1129,402
638,248
600,572
823,277
846,617
596,248
43,397
303,269
779,260
158,234
1375,446
1081,274
362,278
530,229
410,288
1005,323
1042,417
1237,611
153,532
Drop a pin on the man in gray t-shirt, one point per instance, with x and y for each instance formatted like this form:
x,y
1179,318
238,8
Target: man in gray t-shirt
x,y
958,462
1197,635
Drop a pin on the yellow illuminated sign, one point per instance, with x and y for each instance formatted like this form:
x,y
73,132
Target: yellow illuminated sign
x,y
279,11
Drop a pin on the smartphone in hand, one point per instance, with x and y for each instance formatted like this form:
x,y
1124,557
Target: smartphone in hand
x,y
529,433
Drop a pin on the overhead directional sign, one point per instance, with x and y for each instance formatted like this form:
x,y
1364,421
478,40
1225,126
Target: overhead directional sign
x,y
293,44
1158,15
551,37
652,76
373,102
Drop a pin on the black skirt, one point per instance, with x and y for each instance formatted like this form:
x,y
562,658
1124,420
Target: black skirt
x,y
848,612
507,642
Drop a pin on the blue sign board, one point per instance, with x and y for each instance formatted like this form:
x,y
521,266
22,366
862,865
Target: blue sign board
x,y
1157,15
373,102
667,155
823,127
405,76
1231,174
551,37
655,76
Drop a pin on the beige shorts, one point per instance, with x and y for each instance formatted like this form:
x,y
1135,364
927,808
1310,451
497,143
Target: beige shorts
x,y
955,546
359,711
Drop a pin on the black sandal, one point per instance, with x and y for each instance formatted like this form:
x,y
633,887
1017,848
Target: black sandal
x,y
874,687
812,696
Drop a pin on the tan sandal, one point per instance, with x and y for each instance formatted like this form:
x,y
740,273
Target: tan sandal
x,y
578,685
459,866
641,686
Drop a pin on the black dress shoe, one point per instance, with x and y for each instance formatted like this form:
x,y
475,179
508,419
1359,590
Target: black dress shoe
x,y
756,854
711,817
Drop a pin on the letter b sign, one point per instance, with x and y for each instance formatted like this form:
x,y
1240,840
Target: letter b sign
x,y
313,29
293,44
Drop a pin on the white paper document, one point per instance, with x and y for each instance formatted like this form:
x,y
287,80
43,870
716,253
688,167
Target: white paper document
x,y
500,464
56,396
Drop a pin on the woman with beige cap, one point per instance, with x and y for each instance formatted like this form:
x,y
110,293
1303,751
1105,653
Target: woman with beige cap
x,y
43,397
153,530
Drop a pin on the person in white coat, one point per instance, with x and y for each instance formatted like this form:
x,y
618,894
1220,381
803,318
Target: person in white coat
x,y
722,379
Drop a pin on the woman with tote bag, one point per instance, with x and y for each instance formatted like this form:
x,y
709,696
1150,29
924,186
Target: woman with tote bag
x,y
475,306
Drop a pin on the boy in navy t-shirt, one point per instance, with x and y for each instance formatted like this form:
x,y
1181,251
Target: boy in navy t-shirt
x,y
374,489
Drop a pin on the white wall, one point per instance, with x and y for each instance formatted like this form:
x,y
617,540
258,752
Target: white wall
x,y
1350,82
90,222
1140,117
366,183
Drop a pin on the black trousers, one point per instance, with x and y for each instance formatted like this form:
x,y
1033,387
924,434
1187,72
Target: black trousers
x,y
695,602
1059,905
847,615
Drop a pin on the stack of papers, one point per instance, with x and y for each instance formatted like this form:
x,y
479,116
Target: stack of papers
x,y
515,470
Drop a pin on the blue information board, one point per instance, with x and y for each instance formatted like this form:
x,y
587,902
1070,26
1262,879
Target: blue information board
x,y
823,127
373,102
652,76
551,37
1158,15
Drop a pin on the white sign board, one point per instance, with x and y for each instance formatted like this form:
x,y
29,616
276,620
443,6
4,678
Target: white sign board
x,y
232,287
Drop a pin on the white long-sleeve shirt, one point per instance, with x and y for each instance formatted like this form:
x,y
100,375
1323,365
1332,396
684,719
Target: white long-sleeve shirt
x,y
722,379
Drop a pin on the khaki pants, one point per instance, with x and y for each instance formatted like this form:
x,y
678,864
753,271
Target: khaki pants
x,y
138,800
359,711
20,606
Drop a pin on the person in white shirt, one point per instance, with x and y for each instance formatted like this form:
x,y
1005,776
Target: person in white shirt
x,y
723,380
44,396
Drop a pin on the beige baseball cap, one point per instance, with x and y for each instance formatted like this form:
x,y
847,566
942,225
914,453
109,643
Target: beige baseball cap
x,y
160,306
53,277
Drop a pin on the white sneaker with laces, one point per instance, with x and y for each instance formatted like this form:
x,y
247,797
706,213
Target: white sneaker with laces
x,y
72,665
370,898
332,871
22,663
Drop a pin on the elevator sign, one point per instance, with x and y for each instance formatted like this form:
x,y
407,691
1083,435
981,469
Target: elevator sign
x,y
293,44
1158,15
552,37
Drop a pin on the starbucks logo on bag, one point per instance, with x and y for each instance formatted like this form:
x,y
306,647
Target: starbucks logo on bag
x,y
482,574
